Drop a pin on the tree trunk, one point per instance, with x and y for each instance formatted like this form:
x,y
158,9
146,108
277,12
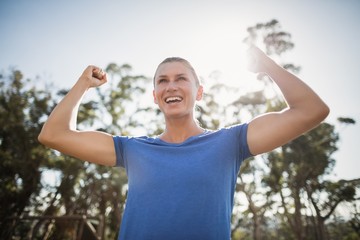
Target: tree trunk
x,y
257,229
321,229
298,227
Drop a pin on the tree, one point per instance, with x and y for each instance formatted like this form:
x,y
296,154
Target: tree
x,y
93,190
326,196
81,188
303,160
296,170
275,41
22,109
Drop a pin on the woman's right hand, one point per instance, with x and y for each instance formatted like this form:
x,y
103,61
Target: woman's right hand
x,y
94,76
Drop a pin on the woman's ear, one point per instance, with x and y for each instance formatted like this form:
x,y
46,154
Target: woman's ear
x,y
200,92
155,100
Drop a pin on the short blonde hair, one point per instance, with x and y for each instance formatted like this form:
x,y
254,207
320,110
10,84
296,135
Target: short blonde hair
x,y
181,60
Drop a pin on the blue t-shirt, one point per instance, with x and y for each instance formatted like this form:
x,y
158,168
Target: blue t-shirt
x,y
181,190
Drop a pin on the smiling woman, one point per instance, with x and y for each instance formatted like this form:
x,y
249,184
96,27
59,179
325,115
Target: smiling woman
x,y
182,182
176,89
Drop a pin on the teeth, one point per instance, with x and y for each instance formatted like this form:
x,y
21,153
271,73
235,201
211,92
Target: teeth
x,y
172,99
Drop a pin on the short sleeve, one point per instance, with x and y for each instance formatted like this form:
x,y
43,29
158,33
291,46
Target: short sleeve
x,y
238,134
119,150
244,147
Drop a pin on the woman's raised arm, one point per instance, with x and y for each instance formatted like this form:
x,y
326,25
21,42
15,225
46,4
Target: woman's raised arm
x,y
59,131
305,108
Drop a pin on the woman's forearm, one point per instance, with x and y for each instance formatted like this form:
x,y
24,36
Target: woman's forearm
x,y
64,116
305,108
298,95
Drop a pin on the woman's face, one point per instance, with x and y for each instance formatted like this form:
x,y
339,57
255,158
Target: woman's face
x,y
176,90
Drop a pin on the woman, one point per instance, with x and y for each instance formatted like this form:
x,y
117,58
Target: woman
x,y
181,183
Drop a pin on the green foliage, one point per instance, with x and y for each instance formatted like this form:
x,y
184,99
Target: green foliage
x,y
293,176
275,40
121,101
21,111
80,188
346,120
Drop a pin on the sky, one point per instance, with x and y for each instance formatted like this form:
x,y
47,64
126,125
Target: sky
x,y
53,41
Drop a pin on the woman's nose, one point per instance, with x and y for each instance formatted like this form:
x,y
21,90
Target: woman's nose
x,y
172,85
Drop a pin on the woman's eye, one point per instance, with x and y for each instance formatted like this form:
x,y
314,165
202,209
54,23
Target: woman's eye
x,y
161,80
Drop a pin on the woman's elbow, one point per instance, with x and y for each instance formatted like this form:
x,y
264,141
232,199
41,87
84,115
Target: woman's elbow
x,y
45,137
324,112
319,114
42,138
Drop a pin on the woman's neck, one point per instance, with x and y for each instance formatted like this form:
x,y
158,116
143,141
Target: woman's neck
x,y
178,131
